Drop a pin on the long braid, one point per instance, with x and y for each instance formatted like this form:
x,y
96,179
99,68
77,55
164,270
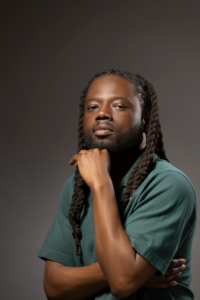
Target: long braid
x,y
160,150
154,144
80,188
78,196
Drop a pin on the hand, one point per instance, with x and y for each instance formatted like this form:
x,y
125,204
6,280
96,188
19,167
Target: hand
x,y
174,270
94,166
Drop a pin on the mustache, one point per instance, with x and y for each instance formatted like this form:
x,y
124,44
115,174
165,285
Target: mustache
x,y
105,122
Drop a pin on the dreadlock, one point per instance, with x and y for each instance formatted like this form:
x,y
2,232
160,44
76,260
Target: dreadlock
x,y
154,144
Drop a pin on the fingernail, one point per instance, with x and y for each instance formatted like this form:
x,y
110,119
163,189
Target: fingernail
x,y
174,283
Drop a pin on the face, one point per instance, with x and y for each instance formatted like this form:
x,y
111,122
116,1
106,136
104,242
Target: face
x,y
112,116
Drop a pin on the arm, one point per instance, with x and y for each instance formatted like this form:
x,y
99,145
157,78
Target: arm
x,y
125,270
174,270
62,282
73,283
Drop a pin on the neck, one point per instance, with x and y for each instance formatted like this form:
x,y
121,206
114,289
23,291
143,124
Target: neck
x,y
121,164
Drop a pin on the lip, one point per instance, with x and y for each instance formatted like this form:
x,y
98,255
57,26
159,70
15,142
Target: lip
x,y
103,132
103,129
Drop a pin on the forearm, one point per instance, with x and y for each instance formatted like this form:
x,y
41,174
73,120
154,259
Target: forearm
x,y
73,283
114,251
125,270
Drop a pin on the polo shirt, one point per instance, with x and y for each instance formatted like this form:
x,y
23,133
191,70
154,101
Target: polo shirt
x,y
160,220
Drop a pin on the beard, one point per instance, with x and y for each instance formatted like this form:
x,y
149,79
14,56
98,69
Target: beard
x,y
118,145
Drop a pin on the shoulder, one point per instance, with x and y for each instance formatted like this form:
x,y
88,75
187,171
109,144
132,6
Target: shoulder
x,y
166,192
163,170
165,178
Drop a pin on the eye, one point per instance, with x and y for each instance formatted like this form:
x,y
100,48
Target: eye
x,y
92,107
120,106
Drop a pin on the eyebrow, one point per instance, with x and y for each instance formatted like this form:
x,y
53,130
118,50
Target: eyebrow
x,y
113,98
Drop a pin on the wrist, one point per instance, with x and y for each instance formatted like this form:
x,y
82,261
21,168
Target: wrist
x,y
102,185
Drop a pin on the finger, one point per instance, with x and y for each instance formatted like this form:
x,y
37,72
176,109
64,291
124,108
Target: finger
x,y
164,279
83,151
73,159
176,263
161,285
174,270
170,278
86,151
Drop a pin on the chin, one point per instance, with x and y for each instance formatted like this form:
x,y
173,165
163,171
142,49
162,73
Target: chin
x,y
102,144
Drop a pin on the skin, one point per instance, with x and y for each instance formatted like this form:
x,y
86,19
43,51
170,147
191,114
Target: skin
x,y
109,100
63,282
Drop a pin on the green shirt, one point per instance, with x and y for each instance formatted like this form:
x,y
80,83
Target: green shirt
x,y
160,220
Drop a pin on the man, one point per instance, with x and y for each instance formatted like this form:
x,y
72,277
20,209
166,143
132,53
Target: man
x,y
131,211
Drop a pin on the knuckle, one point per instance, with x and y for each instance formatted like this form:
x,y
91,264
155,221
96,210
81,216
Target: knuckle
x,y
82,151
175,262
183,267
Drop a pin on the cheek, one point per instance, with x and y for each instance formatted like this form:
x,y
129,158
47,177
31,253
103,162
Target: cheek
x,y
128,122
87,126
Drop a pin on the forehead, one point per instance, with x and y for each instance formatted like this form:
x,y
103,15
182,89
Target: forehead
x,y
109,86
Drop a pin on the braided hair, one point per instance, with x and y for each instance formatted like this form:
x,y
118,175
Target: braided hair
x,y
154,144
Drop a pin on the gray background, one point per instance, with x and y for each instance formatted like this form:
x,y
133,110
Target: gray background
x,y
49,50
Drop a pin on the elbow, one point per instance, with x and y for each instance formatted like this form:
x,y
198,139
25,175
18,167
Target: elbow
x,y
122,293
51,292
123,289
48,290
52,289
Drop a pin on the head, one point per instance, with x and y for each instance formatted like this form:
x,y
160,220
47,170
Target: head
x,y
127,104
112,102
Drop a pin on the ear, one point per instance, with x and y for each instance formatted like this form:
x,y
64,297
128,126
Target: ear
x,y
146,120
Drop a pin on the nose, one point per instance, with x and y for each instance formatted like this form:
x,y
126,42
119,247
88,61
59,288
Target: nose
x,y
104,113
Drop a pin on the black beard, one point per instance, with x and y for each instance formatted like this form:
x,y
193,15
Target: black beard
x,y
119,146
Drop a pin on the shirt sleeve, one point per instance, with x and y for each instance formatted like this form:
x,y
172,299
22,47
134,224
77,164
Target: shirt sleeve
x,y
162,218
59,243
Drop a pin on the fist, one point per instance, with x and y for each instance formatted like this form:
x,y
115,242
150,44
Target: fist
x,y
94,166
